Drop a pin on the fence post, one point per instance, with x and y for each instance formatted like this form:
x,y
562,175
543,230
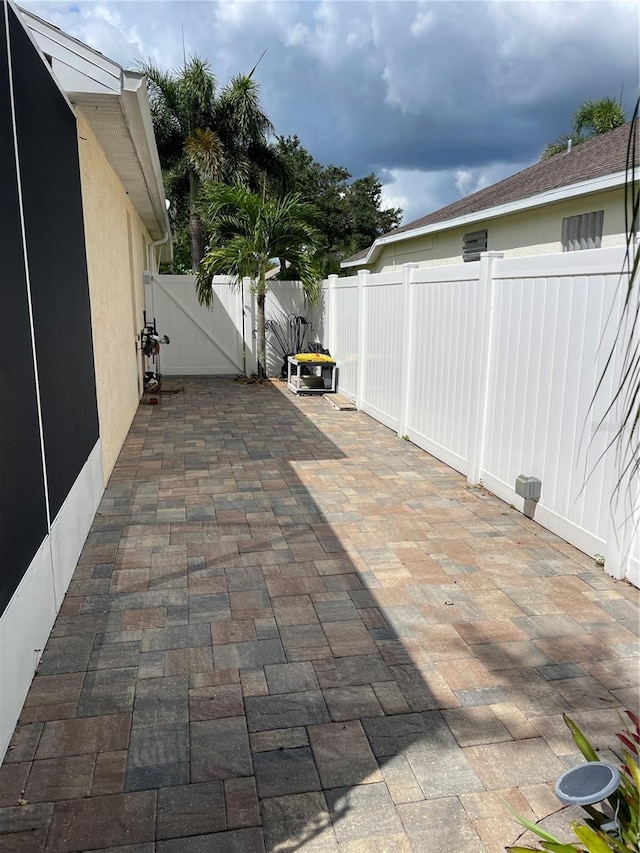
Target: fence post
x,y
362,327
481,375
331,314
406,348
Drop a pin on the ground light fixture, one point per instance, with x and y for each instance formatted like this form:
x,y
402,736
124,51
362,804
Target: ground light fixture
x,y
588,784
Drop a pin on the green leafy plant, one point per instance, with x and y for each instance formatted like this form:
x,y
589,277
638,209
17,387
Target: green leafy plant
x,y
247,231
624,804
590,119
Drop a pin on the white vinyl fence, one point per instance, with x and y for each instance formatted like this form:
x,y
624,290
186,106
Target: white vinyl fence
x,y
490,366
220,340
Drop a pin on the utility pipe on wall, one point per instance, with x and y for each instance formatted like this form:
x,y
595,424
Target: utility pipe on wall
x,y
151,247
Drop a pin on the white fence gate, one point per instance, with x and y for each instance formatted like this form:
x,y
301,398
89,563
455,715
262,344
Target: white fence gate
x,y
220,340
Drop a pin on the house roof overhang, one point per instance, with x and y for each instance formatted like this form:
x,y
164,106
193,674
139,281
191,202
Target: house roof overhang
x,y
115,102
593,185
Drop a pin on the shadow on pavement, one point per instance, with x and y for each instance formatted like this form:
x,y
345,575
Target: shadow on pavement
x,y
290,630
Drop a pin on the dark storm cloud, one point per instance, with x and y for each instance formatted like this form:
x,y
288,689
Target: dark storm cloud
x,y
456,95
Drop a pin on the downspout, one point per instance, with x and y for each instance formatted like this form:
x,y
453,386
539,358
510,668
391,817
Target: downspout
x,y
152,246
151,259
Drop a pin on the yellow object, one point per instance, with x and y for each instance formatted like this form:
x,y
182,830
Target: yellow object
x,y
315,357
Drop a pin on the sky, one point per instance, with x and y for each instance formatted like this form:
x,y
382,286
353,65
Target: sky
x,y
439,99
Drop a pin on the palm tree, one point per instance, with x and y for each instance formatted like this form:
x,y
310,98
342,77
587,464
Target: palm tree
x,y
182,106
590,119
205,134
598,116
247,231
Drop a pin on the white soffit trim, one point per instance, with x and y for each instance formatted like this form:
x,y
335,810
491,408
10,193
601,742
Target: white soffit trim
x,y
73,61
593,185
135,102
116,105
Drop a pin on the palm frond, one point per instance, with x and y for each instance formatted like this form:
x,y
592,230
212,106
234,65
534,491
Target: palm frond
x,y
197,87
164,93
205,154
626,344
629,390
246,231
598,116
561,145
240,113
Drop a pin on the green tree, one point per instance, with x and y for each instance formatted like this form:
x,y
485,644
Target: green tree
x,y
590,119
349,214
368,221
205,134
248,230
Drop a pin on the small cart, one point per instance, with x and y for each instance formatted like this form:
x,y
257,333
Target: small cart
x,y
320,379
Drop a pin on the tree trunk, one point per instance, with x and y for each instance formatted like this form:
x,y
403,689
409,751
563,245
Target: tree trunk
x,y
262,346
197,241
195,225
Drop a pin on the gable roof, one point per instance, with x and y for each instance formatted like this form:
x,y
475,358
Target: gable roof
x,y
596,164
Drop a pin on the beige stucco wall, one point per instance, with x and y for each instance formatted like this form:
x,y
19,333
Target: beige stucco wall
x,y
116,241
528,232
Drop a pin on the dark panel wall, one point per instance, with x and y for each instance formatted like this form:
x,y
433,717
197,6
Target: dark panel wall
x,y
23,521
50,173
57,271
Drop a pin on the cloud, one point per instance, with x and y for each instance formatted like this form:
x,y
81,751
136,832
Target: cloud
x,y
419,192
439,95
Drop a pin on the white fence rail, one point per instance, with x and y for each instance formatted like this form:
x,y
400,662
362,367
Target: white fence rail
x,y
490,366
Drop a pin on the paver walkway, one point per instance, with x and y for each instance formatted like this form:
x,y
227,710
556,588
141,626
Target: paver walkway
x,y
290,630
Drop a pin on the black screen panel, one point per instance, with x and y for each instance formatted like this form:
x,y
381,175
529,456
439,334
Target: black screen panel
x,y
23,521
48,145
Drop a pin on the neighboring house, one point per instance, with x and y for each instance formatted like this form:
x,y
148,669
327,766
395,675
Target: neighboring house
x,y
571,201
82,215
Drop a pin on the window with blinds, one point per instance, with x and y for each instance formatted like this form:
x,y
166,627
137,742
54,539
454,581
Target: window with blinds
x,y
582,232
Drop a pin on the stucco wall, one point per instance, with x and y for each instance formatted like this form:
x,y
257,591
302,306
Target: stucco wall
x,y
529,232
116,242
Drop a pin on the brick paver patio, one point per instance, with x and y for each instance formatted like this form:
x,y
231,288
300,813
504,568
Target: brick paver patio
x,y
290,630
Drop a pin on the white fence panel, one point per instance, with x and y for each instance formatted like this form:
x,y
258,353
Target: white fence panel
x,y
444,333
344,336
549,347
283,299
380,380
